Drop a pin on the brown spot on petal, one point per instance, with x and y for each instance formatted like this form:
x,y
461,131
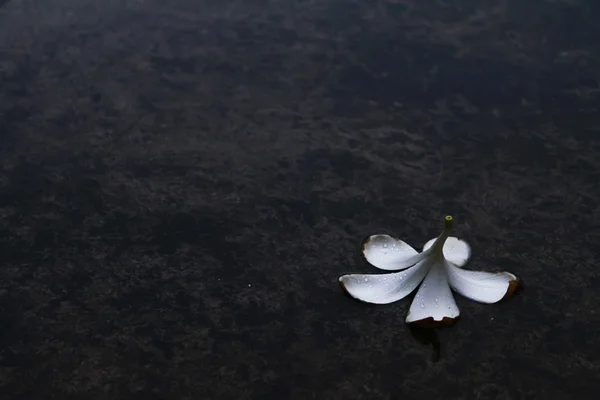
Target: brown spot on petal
x,y
374,237
343,287
513,287
430,323
364,244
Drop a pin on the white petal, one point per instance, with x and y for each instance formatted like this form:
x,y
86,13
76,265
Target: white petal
x,y
484,287
386,252
384,288
457,251
434,303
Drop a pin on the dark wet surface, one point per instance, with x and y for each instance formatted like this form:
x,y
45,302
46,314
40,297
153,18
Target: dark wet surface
x,y
182,184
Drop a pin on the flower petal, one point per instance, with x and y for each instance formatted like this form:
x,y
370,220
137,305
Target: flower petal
x,y
434,303
384,288
484,287
388,253
457,251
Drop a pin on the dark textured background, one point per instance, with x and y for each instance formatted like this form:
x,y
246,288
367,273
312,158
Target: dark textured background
x,y
182,182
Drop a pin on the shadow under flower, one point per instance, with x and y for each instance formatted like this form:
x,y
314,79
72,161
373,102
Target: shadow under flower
x,y
427,336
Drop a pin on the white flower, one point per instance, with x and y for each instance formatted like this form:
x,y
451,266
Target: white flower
x,y
439,267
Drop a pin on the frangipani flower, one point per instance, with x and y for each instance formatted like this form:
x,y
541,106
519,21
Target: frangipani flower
x,y
438,267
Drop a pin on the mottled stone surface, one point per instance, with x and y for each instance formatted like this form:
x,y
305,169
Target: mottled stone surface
x,y
182,182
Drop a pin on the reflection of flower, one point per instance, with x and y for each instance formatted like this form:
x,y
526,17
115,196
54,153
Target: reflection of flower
x,y
438,266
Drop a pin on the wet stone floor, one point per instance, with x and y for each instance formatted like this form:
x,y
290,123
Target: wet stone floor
x,y
183,182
